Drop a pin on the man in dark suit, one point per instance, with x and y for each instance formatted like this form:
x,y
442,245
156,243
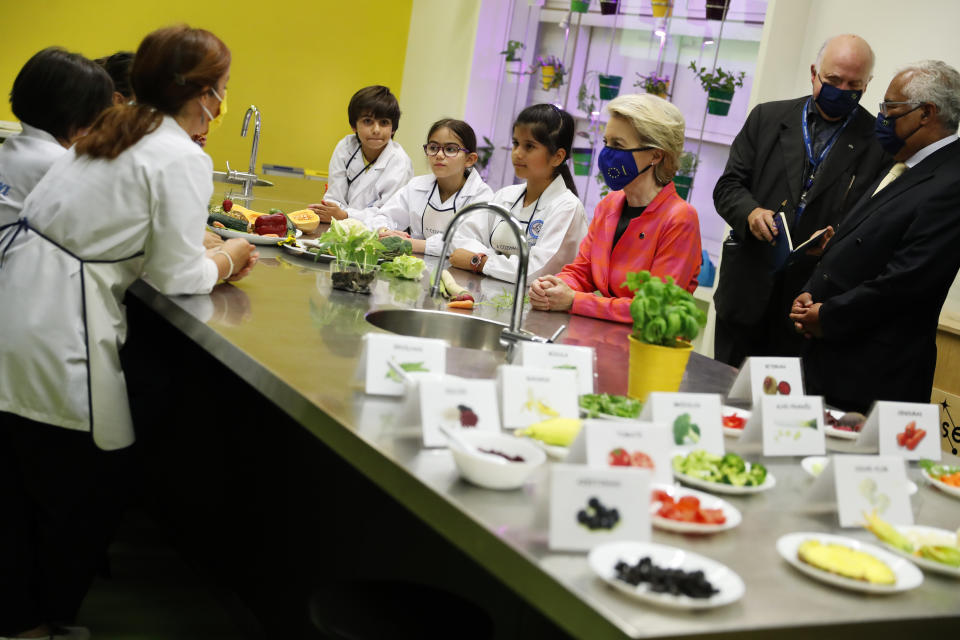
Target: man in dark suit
x,y
872,305
814,154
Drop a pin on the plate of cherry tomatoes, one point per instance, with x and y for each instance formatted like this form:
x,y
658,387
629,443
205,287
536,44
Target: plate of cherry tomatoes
x,y
683,510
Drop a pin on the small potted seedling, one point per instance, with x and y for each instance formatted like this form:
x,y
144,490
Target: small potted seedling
x,y
665,321
579,6
355,249
720,87
654,84
514,57
686,167
552,71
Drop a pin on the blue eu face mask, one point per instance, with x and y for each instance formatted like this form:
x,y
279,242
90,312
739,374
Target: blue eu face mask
x,y
837,103
885,129
618,166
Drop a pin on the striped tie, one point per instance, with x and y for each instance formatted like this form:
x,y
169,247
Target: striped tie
x,y
894,173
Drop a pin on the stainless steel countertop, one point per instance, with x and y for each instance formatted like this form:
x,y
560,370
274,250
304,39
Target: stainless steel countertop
x,y
298,342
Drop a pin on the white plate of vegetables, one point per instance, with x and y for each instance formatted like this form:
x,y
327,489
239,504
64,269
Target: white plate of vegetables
x,y
609,406
728,474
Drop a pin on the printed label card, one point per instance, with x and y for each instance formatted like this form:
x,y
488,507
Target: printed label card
x,y
456,403
906,429
605,444
412,355
531,395
767,376
593,506
561,356
791,426
694,419
864,484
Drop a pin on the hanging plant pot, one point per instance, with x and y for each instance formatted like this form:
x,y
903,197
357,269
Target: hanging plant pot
x,y
514,70
662,8
579,6
682,184
717,9
581,161
609,86
547,76
609,7
718,102
352,281
655,368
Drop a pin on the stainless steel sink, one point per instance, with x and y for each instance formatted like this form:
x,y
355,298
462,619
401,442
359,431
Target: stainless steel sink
x,y
457,329
222,176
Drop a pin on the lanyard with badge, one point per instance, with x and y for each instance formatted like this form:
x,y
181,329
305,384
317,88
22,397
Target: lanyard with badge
x,y
346,196
815,162
528,221
440,228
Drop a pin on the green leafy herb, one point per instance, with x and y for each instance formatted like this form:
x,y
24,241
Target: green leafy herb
x,y
685,431
722,80
503,301
612,405
663,313
351,242
403,266
394,246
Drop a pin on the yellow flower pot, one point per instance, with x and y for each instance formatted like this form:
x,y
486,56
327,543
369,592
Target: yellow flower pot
x,y
547,76
662,8
655,368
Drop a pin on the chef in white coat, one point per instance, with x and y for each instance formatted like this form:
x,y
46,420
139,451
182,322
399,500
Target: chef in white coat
x,y
423,209
56,97
546,205
128,200
367,166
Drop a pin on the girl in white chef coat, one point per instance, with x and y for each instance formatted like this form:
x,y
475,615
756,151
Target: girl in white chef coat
x,y
546,205
427,204
129,200
56,96
367,166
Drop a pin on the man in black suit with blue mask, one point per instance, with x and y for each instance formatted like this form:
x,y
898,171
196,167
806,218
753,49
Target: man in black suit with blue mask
x,y
872,305
811,157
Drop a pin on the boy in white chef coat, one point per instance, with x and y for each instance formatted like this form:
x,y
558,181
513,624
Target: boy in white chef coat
x,y
367,166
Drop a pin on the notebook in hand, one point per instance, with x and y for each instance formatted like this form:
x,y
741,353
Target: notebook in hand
x,y
783,250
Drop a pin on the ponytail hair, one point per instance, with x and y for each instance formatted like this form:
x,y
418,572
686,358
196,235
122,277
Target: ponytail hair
x,y
553,128
171,67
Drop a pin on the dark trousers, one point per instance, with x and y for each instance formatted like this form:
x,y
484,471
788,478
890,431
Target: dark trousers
x,y
61,498
772,335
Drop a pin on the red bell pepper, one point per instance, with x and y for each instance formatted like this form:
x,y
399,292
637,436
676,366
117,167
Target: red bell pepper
x,y
273,223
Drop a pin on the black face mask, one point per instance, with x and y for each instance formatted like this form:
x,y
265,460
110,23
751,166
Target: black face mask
x,y
837,103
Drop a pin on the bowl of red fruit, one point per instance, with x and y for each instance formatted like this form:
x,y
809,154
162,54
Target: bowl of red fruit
x,y
497,461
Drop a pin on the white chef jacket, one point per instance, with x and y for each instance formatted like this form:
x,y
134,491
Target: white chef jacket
x,y
407,207
555,224
360,193
24,159
87,231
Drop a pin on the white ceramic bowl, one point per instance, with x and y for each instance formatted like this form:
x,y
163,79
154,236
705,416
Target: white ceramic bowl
x,y
489,473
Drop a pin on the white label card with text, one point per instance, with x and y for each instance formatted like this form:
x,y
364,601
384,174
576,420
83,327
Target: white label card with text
x,y
593,506
457,403
694,419
865,484
791,426
909,430
530,395
413,355
604,444
767,376
561,356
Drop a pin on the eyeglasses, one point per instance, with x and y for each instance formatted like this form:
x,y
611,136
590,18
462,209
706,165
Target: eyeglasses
x,y
885,105
449,150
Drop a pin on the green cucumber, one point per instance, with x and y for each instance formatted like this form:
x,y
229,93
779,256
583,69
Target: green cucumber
x,y
229,221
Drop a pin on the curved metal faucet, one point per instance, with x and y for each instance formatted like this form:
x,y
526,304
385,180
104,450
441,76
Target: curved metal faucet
x,y
251,176
520,286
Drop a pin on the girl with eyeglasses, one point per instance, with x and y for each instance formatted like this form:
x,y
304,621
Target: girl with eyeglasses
x,y
423,208
546,204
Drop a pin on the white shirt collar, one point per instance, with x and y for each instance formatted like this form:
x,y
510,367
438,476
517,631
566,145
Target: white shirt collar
x,y
928,150
29,131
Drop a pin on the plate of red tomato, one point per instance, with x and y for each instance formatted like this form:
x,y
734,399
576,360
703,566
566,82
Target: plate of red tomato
x,y
734,420
683,510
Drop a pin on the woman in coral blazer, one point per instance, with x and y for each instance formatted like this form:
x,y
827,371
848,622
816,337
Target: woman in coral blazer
x,y
642,225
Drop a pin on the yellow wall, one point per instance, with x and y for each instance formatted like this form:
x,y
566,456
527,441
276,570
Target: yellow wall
x,y
437,72
299,61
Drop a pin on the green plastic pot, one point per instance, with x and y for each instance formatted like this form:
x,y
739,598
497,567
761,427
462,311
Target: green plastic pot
x,y
609,86
581,161
579,6
682,184
718,102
